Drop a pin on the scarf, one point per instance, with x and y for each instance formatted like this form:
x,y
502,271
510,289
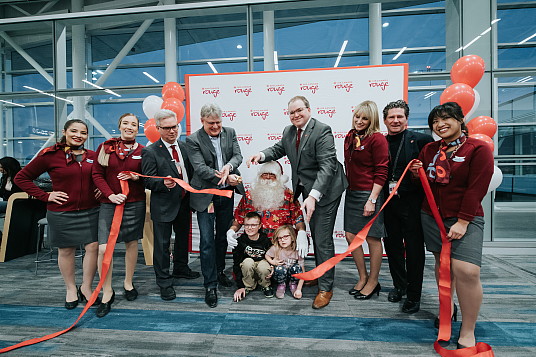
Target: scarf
x,y
439,170
69,155
116,145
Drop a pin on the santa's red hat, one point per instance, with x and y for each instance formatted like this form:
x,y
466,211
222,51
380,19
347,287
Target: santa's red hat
x,y
273,167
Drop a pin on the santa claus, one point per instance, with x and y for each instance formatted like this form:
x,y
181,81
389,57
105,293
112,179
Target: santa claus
x,y
274,202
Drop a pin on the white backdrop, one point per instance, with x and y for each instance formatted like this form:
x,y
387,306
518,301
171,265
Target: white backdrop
x,y
255,105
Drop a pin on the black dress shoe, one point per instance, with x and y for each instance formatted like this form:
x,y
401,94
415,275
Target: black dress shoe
x,y
167,293
69,305
361,296
395,295
211,298
189,274
130,295
410,306
82,298
454,316
224,280
105,307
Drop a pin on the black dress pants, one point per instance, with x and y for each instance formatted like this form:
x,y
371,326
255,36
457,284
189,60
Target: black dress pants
x,y
404,244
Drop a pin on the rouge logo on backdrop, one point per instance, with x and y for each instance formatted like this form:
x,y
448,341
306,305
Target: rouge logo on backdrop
x,y
286,160
229,114
211,91
246,90
346,86
329,111
311,87
247,186
339,234
247,138
256,113
379,83
275,88
274,137
339,135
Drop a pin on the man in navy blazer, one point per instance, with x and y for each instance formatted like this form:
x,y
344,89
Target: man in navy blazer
x,y
318,176
404,243
215,156
170,204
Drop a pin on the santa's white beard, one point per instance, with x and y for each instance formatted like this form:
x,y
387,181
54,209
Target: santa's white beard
x,y
267,195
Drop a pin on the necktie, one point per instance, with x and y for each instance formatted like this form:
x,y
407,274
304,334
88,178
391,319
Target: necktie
x,y
175,155
298,138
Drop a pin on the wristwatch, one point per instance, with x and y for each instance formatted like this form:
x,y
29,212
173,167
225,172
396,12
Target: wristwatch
x,y
373,200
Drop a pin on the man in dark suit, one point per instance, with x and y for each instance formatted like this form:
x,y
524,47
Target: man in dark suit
x,y
170,204
404,243
318,176
215,156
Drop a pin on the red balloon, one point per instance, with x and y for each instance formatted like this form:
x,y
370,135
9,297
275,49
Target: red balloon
x,y
484,138
175,106
468,69
150,130
173,90
482,125
460,93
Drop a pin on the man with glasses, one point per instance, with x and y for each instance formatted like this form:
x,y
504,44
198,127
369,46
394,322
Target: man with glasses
x,y
318,176
215,156
170,204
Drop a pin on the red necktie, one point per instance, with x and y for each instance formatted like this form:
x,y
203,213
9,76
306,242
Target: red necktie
x,y
298,138
175,155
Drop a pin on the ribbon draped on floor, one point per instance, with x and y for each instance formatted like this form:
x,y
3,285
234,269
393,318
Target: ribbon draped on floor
x,y
108,254
445,297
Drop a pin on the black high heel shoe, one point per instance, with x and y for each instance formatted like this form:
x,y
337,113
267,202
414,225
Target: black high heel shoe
x,y
361,296
454,316
82,298
105,307
69,305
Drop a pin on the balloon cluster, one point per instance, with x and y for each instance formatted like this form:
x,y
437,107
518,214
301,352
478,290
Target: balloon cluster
x,y
465,74
172,98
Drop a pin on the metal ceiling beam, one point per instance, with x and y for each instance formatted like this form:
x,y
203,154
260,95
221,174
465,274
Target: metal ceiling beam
x,y
27,57
47,6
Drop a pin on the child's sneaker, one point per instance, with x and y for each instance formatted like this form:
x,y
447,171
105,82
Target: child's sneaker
x,y
280,292
293,287
268,291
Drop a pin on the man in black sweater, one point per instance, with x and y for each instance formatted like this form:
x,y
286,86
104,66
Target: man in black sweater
x,y
404,243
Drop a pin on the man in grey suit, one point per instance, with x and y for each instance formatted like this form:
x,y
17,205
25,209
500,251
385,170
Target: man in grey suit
x,y
215,156
318,176
170,204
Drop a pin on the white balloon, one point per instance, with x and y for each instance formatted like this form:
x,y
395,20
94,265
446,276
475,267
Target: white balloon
x,y
475,106
496,179
151,105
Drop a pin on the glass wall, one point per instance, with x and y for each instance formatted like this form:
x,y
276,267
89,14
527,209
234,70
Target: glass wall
x,y
127,55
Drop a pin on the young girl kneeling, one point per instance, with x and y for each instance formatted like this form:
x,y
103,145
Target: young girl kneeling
x,y
285,261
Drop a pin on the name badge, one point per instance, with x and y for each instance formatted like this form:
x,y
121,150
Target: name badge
x,y
392,185
458,159
136,157
89,161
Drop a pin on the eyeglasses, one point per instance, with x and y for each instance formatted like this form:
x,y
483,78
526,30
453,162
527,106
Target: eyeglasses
x,y
297,111
285,237
268,175
169,128
251,225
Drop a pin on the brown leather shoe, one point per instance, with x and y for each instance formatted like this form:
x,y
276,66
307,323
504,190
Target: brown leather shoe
x,y
313,282
322,299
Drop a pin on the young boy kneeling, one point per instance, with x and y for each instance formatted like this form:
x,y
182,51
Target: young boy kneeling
x,y
250,268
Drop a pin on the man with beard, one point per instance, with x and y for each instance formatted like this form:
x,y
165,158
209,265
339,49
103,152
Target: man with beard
x,y
274,202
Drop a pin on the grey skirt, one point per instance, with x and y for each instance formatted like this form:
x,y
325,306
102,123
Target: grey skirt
x,y
72,228
354,221
467,249
131,225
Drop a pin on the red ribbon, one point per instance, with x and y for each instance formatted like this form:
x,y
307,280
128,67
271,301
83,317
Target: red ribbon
x,y
108,254
445,298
